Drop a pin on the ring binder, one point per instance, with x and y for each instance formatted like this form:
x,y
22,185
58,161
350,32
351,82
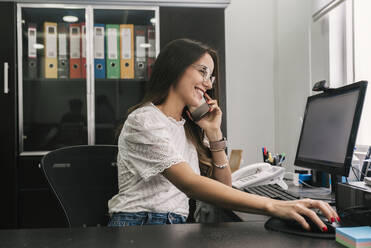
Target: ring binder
x,y
140,66
113,50
151,36
127,51
50,34
32,52
63,65
83,50
75,51
99,59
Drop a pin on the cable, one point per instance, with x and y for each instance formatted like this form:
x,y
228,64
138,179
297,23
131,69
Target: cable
x,y
302,182
359,172
357,207
355,173
356,210
308,185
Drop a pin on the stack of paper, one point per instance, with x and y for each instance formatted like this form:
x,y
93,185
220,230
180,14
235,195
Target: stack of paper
x,y
354,236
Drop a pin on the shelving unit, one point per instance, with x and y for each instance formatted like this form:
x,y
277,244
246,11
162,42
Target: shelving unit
x,y
33,109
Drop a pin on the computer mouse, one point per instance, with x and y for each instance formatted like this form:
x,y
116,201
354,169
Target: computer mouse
x,y
293,227
315,228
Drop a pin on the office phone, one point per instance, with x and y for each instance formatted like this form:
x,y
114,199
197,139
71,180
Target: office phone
x,y
258,174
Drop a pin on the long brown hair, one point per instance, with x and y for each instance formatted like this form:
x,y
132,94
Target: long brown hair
x,y
169,67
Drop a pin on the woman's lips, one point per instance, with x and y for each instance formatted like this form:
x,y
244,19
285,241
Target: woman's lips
x,y
200,93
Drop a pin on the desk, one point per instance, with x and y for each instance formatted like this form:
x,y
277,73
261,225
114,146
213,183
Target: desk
x,y
223,235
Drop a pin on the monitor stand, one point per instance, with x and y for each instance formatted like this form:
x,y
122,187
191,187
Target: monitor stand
x,y
317,193
322,193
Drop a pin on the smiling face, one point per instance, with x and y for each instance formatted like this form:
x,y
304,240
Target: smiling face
x,y
191,86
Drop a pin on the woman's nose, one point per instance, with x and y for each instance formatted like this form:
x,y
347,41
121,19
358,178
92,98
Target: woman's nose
x,y
208,85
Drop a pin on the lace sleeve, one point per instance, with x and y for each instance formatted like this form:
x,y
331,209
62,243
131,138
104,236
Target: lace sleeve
x,y
146,146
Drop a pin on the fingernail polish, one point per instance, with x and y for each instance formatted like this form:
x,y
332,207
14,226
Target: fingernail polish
x,y
338,219
332,219
324,229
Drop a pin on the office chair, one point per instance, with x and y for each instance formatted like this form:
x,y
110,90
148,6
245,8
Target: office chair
x,y
235,159
83,178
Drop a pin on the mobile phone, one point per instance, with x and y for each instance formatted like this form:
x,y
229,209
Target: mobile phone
x,y
197,113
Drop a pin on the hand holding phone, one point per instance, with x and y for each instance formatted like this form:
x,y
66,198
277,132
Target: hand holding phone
x,y
200,111
208,116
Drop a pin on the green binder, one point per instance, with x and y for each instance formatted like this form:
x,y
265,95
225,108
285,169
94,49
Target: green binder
x,y
113,50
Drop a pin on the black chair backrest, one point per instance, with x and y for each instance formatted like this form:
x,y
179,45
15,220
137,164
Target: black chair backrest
x,y
83,178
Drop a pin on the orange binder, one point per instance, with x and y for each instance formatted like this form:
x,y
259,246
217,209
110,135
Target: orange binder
x,y
75,51
127,51
83,50
50,44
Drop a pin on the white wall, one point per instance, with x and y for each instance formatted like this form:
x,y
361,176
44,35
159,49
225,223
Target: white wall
x,y
362,61
292,73
274,53
267,63
250,76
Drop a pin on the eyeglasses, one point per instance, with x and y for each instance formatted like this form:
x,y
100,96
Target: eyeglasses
x,y
205,72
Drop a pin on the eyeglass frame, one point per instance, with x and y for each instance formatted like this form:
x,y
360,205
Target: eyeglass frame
x,y
207,76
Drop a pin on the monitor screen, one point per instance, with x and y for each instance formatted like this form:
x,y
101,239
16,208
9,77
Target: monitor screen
x,y
330,128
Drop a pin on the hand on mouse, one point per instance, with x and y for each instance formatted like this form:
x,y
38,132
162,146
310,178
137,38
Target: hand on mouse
x,y
296,210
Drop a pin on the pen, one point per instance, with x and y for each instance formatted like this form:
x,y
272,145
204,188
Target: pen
x,y
270,159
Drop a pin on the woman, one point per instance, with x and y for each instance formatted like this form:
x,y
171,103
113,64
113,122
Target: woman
x,y
161,149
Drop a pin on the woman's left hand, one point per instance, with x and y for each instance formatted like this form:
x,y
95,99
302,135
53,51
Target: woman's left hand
x,y
211,121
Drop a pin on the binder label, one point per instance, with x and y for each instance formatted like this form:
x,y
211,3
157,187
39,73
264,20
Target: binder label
x,y
75,42
99,42
126,43
140,49
62,43
112,43
31,42
83,42
51,37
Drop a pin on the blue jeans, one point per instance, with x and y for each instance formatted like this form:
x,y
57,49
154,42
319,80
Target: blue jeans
x,y
145,218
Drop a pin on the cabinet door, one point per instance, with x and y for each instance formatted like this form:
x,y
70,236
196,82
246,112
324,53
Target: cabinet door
x,y
53,84
202,24
8,117
124,50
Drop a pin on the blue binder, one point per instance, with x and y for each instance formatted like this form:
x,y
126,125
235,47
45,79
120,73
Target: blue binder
x,y
99,52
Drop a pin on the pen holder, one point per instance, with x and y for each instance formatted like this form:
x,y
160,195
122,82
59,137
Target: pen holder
x,y
276,159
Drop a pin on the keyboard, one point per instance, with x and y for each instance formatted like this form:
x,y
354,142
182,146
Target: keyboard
x,y
273,191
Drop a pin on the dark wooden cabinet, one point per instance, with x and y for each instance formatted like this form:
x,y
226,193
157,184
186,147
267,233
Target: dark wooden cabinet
x,y
27,200
8,110
38,207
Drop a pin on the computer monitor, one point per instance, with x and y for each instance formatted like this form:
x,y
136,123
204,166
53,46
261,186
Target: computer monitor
x,y
329,130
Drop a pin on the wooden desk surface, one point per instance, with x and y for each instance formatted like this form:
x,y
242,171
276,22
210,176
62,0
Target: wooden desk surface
x,y
223,235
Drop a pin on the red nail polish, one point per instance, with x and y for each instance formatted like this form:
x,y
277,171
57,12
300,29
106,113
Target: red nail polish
x,y
332,219
324,229
338,219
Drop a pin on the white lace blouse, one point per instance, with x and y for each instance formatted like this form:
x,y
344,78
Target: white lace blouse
x,y
149,143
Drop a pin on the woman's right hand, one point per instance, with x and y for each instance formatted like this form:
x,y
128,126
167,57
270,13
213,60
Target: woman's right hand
x,y
297,209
